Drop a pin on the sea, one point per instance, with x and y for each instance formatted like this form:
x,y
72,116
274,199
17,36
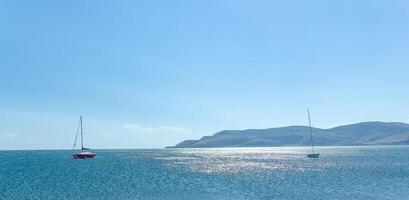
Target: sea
x,y
380,172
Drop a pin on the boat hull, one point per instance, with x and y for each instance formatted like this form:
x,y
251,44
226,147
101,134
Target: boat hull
x,y
313,155
83,155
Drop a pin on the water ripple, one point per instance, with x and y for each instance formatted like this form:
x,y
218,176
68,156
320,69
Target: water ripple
x,y
220,174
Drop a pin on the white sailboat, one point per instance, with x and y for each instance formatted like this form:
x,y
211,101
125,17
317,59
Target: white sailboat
x,y
313,154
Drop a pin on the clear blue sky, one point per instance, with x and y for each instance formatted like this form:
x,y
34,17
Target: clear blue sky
x,y
151,73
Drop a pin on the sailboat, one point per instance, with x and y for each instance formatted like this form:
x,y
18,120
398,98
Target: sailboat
x,y
85,153
313,154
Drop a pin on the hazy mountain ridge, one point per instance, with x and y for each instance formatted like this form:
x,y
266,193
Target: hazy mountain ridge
x,y
365,133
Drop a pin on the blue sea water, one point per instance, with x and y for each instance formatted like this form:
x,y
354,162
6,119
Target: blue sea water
x,y
219,174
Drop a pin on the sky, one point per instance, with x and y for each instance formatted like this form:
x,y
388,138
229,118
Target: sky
x,y
151,73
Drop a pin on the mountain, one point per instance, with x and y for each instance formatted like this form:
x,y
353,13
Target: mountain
x,y
365,133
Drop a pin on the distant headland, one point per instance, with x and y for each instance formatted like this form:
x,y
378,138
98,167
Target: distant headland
x,y
365,133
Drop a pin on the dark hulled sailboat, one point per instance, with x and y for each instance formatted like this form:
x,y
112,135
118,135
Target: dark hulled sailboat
x,y
85,153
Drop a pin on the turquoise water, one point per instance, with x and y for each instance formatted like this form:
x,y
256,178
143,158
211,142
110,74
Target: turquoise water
x,y
189,174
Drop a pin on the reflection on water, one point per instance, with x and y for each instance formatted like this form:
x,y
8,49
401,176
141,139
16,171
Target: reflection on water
x,y
235,160
231,173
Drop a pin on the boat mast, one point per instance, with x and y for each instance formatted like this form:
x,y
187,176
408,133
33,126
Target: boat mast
x,y
312,141
82,143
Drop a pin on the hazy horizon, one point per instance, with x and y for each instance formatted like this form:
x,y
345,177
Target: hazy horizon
x,y
150,74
